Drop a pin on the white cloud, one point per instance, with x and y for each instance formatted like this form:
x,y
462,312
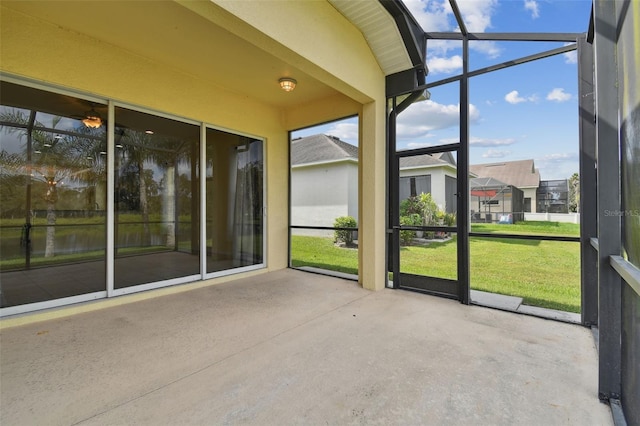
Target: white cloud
x,y
477,18
570,57
415,145
438,65
484,142
442,47
514,97
432,15
345,131
532,6
481,142
477,14
559,157
423,117
495,153
557,165
558,95
437,16
489,48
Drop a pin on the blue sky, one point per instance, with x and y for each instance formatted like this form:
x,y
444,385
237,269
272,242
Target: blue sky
x,y
527,111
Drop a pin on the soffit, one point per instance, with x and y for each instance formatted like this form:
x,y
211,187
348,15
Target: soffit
x,y
380,31
171,35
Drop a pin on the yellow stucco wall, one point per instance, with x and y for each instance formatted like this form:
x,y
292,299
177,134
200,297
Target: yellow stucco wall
x,y
47,52
318,34
40,51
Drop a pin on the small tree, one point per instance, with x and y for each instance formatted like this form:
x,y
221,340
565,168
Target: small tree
x,y
344,236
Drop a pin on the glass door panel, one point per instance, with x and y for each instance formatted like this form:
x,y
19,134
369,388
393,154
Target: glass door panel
x,y
52,196
427,195
234,199
156,198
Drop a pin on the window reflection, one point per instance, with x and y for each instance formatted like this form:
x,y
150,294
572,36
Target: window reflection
x,y
156,198
52,197
234,201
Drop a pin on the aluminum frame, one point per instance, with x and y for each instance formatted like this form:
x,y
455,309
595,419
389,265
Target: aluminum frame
x,y
462,147
110,290
608,177
588,179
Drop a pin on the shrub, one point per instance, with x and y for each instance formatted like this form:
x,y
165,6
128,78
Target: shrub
x,y
429,209
410,206
422,205
340,236
450,219
410,220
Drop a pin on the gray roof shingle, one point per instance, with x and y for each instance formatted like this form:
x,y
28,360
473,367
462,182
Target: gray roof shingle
x,y
521,174
486,182
427,160
320,148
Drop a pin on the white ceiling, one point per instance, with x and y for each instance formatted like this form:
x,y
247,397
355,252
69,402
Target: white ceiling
x,y
380,31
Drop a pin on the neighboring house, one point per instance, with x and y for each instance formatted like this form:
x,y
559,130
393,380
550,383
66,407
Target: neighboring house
x,y
324,181
435,174
522,174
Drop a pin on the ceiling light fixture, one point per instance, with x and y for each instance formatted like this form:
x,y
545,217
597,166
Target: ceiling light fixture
x,y
92,119
287,84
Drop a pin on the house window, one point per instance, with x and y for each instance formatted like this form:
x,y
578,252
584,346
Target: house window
x,y
414,185
451,189
527,204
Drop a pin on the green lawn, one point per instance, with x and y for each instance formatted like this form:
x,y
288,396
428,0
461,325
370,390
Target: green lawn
x,y
320,252
529,228
543,273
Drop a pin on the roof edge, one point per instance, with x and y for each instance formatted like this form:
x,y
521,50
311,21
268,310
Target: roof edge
x,y
415,43
322,163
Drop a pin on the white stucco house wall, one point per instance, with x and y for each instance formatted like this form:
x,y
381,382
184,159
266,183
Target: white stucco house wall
x,y
435,174
324,182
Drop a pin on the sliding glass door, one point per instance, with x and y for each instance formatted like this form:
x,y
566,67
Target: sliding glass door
x,y
52,196
234,201
80,180
156,198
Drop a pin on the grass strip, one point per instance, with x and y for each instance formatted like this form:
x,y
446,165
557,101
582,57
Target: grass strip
x,y
543,273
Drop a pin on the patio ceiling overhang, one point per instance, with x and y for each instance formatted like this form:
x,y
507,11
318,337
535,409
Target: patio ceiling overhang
x,y
173,35
388,28
206,42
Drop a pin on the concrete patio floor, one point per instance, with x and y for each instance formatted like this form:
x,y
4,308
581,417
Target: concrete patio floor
x,y
291,347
